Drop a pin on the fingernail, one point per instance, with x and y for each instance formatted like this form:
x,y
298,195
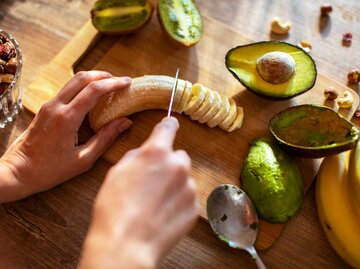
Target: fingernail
x,y
124,124
127,79
170,122
173,120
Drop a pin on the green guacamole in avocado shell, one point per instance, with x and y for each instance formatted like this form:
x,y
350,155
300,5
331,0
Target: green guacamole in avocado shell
x,y
272,181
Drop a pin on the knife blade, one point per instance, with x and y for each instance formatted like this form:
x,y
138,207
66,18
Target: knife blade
x,y
173,93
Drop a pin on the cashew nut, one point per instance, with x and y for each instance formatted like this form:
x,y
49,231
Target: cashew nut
x,y
346,101
305,45
278,28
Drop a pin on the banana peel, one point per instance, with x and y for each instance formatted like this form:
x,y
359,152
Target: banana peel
x,y
154,92
338,203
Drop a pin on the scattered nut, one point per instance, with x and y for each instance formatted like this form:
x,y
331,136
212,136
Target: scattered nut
x,y
3,87
278,28
353,76
8,63
346,101
330,93
7,51
357,113
11,66
347,38
305,45
325,9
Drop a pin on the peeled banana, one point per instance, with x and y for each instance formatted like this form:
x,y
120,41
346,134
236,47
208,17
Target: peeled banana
x,y
154,92
338,204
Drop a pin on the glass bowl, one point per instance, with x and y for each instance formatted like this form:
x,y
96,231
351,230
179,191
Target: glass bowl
x,y
10,99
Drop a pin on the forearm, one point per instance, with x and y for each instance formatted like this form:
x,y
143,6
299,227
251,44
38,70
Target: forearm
x,y
104,251
11,188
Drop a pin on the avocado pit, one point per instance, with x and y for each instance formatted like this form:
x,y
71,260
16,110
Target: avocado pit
x,y
276,67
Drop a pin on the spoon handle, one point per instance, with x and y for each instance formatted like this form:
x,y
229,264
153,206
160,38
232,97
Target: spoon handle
x,y
256,257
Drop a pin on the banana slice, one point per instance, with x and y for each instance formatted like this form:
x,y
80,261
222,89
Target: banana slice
x,y
205,106
238,121
144,93
222,113
230,118
213,109
197,96
185,97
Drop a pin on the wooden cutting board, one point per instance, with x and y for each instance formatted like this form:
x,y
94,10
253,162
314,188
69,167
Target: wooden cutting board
x,y
217,156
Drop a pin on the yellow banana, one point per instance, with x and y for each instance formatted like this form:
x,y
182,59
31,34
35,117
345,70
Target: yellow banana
x,y
354,176
154,92
336,207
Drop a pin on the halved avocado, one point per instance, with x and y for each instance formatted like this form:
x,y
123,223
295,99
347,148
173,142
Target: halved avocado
x,y
272,69
313,131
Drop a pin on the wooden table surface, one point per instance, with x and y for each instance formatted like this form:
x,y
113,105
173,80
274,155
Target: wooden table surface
x,y
47,230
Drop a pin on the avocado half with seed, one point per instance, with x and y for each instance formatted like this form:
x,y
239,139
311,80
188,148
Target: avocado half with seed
x,y
272,69
313,131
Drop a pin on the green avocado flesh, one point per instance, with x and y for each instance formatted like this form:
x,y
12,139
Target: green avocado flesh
x,y
120,16
242,63
313,131
181,20
272,181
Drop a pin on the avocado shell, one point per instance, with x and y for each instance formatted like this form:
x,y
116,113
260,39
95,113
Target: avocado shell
x,y
313,131
241,62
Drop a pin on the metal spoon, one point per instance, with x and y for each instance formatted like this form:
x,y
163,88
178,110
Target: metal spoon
x,y
233,218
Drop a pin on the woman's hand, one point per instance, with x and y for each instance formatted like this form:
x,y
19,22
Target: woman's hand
x,y
47,153
145,205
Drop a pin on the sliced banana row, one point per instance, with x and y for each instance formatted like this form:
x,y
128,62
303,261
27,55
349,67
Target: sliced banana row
x,y
154,92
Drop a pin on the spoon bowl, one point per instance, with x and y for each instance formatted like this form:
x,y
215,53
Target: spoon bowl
x,y
233,218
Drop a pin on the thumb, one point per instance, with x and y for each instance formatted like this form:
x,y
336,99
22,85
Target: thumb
x,y
103,138
164,133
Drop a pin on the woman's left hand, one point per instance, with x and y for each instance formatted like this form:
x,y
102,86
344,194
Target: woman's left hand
x,y
48,153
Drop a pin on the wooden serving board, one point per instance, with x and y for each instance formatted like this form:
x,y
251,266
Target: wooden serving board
x,y
217,156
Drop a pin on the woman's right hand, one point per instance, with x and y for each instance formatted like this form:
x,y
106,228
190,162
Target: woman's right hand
x,y
146,204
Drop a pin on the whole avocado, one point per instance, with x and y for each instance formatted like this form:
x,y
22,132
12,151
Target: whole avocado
x,y
272,180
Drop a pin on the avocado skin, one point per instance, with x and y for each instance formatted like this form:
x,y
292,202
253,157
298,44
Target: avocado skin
x,y
272,180
269,95
314,152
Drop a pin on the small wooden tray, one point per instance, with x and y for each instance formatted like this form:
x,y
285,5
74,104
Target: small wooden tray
x,y
217,156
